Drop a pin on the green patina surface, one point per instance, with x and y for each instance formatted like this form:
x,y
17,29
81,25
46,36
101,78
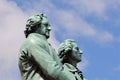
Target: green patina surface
x,y
39,61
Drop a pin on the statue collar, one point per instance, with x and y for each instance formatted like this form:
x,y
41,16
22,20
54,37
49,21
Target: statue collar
x,y
70,67
38,35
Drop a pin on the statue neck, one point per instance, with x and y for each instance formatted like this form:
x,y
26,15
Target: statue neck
x,y
72,62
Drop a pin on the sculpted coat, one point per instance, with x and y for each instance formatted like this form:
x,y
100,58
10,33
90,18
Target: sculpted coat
x,y
70,55
39,61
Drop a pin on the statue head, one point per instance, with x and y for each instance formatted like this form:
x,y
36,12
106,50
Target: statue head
x,y
37,24
69,51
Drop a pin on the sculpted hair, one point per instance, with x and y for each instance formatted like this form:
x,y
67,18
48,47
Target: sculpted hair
x,y
33,23
65,49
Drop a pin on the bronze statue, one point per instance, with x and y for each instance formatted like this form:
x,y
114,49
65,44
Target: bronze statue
x,y
37,59
70,55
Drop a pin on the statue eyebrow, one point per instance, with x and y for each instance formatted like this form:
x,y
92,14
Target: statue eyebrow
x,y
46,24
77,48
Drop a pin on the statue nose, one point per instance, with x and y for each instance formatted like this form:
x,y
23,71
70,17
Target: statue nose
x,y
81,52
49,28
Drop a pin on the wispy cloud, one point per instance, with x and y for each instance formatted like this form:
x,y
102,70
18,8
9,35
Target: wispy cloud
x,y
104,37
83,65
117,68
88,7
54,42
13,20
112,4
72,22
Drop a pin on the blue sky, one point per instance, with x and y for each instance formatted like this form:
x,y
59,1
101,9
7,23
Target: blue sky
x,y
94,24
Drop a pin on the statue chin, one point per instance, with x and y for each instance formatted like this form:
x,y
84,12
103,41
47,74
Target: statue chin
x,y
79,60
47,37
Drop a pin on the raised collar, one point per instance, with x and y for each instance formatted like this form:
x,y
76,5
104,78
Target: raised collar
x,y
38,36
71,67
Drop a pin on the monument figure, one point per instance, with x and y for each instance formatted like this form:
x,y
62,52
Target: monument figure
x,y
37,59
70,55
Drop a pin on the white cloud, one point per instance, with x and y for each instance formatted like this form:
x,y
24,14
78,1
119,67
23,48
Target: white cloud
x,y
12,23
83,65
104,37
11,32
54,42
96,7
86,7
112,4
76,26
72,22
93,6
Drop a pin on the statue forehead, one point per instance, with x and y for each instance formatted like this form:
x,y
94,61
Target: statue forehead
x,y
74,44
44,20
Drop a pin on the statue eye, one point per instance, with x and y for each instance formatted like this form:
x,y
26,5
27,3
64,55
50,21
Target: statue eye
x,y
77,48
46,24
